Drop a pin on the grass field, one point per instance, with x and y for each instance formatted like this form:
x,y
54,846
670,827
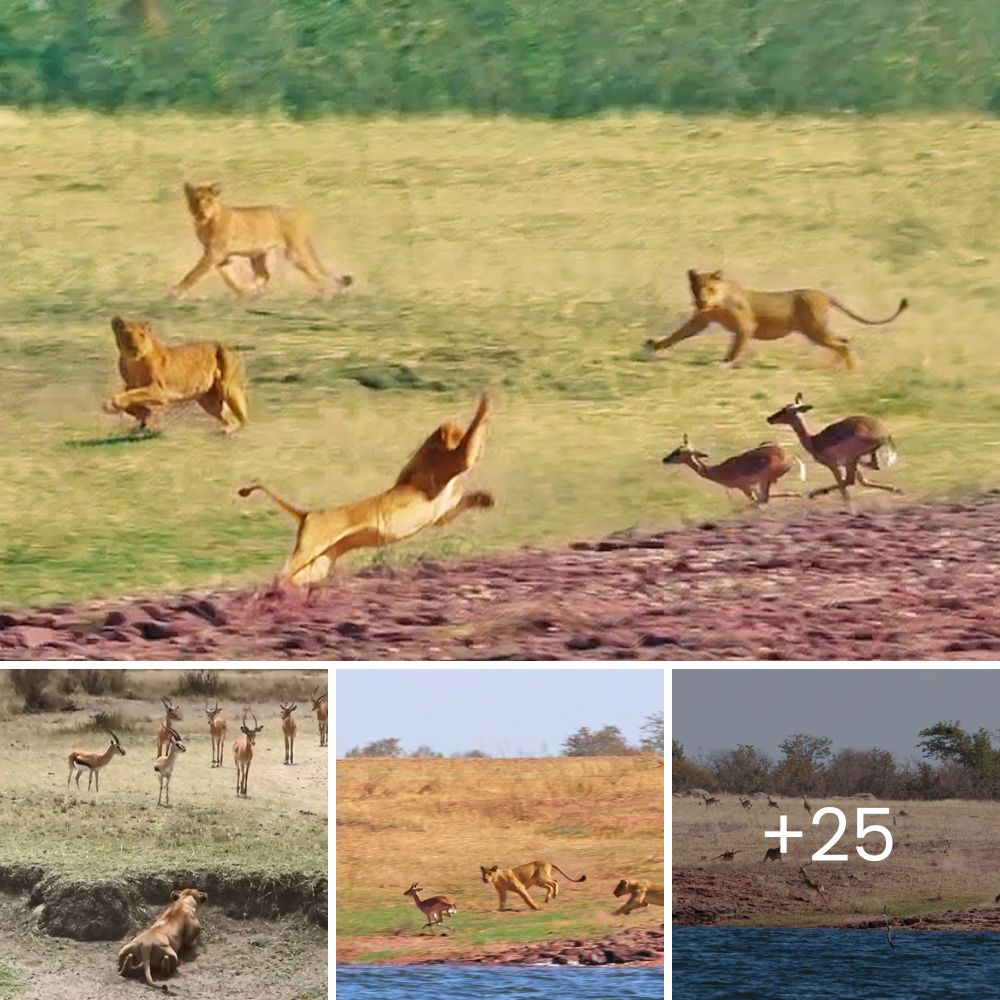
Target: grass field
x,y
438,821
529,258
945,854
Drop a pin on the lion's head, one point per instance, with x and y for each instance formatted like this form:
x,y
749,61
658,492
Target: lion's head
x,y
708,288
134,339
203,200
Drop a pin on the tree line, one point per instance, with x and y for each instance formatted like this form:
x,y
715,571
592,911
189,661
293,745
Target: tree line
x,y
605,742
955,764
577,57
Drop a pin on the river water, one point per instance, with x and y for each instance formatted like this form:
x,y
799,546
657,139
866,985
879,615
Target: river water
x,y
758,963
498,982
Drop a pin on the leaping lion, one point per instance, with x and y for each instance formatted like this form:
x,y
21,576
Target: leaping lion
x,y
429,492
640,895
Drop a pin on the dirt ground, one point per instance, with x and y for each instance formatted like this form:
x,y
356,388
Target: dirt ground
x,y
895,581
263,959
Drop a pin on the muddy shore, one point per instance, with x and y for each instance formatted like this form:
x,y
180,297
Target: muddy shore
x,y
900,581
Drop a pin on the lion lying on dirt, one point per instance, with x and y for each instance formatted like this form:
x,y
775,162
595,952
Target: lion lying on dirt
x,y
521,878
175,929
763,315
640,895
156,374
227,232
430,491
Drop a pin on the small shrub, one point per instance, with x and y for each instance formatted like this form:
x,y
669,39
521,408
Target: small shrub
x,y
101,721
201,683
102,682
31,687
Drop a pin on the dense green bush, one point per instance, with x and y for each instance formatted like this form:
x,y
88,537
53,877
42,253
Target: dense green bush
x,y
552,58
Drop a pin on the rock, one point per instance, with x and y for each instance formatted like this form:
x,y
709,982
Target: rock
x,y
352,630
33,636
115,618
153,631
583,642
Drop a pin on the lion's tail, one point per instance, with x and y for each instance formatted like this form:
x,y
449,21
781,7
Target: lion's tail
x,y
582,878
344,280
295,513
230,382
903,303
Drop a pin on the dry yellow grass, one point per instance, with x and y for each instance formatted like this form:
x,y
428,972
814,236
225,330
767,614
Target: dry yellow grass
x,y
440,820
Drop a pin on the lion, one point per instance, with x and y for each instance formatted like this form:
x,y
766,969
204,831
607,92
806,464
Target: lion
x,y
640,895
428,492
764,315
175,929
156,374
227,232
523,877
772,854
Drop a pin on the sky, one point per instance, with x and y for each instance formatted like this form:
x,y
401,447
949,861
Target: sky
x,y
864,708
512,712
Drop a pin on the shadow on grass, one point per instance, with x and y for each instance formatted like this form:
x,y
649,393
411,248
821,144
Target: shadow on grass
x,y
130,437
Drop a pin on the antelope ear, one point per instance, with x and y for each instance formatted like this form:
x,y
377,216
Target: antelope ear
x,y
700,454
684,440
175,894
804,407
717,275
798,398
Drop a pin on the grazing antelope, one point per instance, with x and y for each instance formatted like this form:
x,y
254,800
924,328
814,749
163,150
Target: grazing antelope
x,y
771,804
163,733
87,760
435,909
772,854
710,800
841,446
805,805
164,765
243,752
813,884
217,729
320,707
757,469
746,803
288,729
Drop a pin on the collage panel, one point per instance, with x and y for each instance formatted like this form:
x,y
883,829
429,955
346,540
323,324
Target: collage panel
x,y
499,832
833,833
163,828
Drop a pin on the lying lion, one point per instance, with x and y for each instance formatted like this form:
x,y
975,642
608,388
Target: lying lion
x,y
640,895
156,374
750,315
175,929
430,491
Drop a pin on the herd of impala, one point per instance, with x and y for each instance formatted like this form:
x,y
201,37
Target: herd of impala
x,y
170,743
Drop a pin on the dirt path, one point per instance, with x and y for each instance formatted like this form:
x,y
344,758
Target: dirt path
x,y
913,581
266,960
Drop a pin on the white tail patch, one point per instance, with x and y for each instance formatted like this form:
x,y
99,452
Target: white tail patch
x,y
888,455
802,468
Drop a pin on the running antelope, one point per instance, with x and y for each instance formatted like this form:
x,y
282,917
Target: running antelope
x,y
435,909
841,446
289,729
163,733
771,804
243,752
746,803
805,805
164,765
217,729
814,885
87,760
757,469
710,800
320,707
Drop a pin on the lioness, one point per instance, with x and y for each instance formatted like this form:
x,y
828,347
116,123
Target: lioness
x,y
521,878
156,374
640,895
175,929
430,491
250,231
763,315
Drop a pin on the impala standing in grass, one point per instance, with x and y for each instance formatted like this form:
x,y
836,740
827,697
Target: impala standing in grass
x,y
87,760
164,765
217,729
173,714
243,752
320,707
289,729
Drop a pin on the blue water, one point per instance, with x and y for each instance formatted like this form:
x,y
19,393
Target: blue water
x,y
751,963
498,982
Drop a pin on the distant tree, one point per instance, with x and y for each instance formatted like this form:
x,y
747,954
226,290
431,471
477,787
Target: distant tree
x,y
677,749
853,771
652,730
802,764
425,751
744,769
378,748
973,752
606,742
686,774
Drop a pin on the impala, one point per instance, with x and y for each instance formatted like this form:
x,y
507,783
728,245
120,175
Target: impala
x,y
164,766
87,760
288,729
173,714
243,752
217,730
320,707
435,909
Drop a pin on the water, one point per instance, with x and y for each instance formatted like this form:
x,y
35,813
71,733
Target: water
x,y
498,982
756,963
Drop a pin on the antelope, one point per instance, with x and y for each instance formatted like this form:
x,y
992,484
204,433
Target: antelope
x,y
805,805
217,729
435,908
888,925
288,728
243,752
710,800
163,733
813,884
771,804
164,765
320,707
841,446
726,855
87,760
746,803
760,467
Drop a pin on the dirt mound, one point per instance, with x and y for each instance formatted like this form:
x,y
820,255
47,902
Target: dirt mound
x,y
904,581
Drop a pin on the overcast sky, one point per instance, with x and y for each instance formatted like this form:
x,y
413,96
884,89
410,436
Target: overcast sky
x,y
509,712
885,708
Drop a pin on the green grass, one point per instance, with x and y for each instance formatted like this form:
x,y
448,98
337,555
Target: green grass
x,y
10,981
529,258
